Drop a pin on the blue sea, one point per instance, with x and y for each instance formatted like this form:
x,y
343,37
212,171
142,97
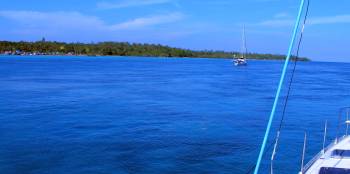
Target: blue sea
x,y
130,115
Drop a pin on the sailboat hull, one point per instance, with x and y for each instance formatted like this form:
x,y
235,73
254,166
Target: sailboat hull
x,y
240,63
335,159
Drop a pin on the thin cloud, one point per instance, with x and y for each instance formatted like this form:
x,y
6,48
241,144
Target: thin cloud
x,y
330,20
76,20
75,26
35,19
281,15
266,0
148,21
277,22
129,3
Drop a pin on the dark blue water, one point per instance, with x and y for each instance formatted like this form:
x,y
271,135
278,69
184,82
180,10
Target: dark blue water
x,y
90,115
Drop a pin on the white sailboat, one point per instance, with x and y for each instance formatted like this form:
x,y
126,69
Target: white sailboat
x,y
241,60
335,158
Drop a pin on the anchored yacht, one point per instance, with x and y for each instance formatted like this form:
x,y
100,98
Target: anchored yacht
x,y
241,61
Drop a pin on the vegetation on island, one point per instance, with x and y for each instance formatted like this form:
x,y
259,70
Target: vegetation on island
x,y
118,49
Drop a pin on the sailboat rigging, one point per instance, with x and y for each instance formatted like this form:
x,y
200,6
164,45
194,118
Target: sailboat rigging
x,y
333,159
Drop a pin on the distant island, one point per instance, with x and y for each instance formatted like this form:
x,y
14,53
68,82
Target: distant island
x,y
118,49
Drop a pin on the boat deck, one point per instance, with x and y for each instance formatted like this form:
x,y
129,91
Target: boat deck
x,y
336,157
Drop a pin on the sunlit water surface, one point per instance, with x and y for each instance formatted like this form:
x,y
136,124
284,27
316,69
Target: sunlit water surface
x,y
89,115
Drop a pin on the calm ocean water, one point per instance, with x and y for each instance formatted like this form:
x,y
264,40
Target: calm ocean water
x,y
89,115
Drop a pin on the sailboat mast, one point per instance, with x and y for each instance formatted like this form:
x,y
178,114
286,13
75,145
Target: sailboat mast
x,y
280,84
244,44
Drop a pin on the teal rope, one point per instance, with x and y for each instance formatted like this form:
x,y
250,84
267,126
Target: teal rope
x,y
262,149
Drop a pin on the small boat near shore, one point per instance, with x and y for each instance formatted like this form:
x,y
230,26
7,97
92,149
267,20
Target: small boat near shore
x,y
242,61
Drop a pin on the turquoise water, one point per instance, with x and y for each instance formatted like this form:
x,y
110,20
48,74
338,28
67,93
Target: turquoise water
x,y
157,115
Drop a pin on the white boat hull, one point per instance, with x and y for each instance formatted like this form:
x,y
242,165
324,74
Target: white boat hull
x,y
333,159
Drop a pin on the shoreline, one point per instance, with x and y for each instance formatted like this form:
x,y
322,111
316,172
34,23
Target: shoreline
x,y
67,55
123,49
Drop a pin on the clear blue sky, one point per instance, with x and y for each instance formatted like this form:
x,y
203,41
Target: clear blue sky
x,y
193,24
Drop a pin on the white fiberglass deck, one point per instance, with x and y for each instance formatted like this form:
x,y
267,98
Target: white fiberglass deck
x,y
329,160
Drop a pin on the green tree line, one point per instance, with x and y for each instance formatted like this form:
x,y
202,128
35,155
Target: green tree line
x,y
121,49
